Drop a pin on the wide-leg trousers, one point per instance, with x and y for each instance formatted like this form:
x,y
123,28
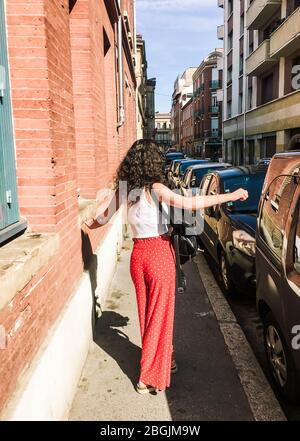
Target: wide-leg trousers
x,y
153,271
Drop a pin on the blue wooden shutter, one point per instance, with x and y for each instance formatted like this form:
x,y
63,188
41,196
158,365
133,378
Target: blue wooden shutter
x,y
9,212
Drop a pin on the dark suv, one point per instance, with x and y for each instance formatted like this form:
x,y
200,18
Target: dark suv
x,y
278,271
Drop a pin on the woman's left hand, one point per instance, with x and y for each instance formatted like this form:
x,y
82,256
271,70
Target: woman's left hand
x,y
92,224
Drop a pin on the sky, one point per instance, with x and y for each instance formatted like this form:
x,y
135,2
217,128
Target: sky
x,y
178,34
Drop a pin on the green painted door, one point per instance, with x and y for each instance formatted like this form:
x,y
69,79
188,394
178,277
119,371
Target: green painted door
x,y
9,212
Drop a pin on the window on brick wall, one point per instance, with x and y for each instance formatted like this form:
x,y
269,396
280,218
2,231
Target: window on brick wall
x,y
9,211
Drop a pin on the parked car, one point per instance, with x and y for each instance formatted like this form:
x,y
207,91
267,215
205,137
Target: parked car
x,y
172,168
170,157
229,229
278,271
193,176
171,150
181,167
264,161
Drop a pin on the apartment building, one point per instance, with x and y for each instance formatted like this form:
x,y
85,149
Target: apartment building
x,y
187,127
163,129
183,92
68,117
141,92
207,106
150,108
145,93
261,77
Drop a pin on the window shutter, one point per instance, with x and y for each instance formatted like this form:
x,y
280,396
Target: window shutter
x,y
9,212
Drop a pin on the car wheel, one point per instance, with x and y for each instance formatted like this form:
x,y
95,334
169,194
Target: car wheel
x,y
280,361
226,280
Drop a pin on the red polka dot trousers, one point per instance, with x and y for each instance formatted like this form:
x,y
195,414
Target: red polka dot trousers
x,y
153,272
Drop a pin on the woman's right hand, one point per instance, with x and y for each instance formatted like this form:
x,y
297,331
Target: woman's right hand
x,y
239,195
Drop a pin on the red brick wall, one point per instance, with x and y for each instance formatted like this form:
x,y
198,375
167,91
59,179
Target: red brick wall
x,y
64,140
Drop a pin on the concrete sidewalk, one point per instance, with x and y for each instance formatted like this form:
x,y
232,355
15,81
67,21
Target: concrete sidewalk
x,y
207,386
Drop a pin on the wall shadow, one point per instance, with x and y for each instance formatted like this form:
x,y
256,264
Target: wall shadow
x,y
90,262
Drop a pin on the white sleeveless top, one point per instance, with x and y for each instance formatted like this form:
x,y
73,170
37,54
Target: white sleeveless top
x,y
145,218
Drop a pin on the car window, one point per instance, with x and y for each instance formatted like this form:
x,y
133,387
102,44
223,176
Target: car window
x,y
253,184
199,173
274,212
204,184
213,188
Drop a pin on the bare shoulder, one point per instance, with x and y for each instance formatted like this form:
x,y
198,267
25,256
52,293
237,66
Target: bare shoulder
x,y
159,188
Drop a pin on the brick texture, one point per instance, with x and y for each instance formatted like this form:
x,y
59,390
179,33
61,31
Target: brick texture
x,y
65,109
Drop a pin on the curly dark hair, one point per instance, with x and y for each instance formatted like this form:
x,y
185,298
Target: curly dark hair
x,y
142,166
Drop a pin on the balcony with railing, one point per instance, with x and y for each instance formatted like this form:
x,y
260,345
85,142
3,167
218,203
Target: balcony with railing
x,y
214,109
260,60
215,134
220,32
198,113
260,11
286,38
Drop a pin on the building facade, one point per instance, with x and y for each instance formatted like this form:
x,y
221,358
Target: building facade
x,y
163,129
183,92
261,77
150,108
68,117
207,107
145,93
187,127
141,91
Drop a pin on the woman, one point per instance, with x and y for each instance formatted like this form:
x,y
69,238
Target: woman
x,y
152,264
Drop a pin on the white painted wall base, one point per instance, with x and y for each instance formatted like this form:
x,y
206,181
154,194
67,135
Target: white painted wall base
x,y
46,390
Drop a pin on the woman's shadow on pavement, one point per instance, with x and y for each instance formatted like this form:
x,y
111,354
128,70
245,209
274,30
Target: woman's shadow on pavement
x,y
117,344
105,328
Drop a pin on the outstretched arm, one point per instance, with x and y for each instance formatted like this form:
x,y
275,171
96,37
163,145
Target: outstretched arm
x,y
108,206
164,194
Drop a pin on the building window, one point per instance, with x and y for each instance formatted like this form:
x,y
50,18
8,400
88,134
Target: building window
x,y
241,64
230,7
242,24
267,88
229,109
215,126
230,40
268,147
9,211
250,98
229,75
214,100
241,103
251,151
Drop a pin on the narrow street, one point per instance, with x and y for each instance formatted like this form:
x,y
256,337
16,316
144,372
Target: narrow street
x,y
207,386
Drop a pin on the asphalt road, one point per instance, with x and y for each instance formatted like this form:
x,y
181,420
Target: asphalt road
x,y
244,308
